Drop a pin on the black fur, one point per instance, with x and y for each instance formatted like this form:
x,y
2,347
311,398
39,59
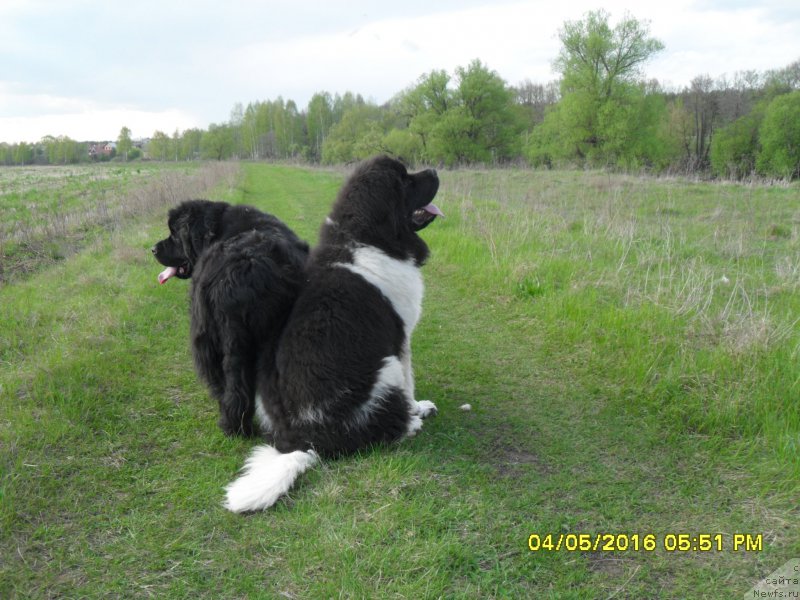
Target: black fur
x,y
341,327
247,269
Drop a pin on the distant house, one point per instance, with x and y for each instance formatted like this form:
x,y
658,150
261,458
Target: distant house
x,y
101,149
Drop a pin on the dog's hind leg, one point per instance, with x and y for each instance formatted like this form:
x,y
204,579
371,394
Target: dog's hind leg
x,y
237,405
208,363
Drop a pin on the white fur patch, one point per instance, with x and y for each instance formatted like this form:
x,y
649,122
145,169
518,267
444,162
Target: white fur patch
x,y
399,280
309,414
267,475
426,408
414,425
262,418
390,377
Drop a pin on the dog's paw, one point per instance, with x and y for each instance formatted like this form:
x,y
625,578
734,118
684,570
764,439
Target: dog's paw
x,y
414,425
426,408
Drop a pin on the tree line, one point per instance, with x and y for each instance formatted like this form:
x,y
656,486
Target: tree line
x,y
602,112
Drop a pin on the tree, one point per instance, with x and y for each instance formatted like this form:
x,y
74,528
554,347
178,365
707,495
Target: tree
x,y
358,135
236,126
780,138
537,97
632,126
190,144
23,155
424,105
403,144
600,68
217,142
159,147
487,102
124,142
319,120
176,145
474,122
596,58
704,108
735,146
61,150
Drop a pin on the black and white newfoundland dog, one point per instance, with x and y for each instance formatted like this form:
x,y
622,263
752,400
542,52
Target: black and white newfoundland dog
x,y
341,378
338,377
247,269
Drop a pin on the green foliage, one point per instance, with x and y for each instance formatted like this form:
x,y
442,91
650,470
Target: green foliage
x,y
404,144
546,145
62,150
358,135
605,114
424,105
217,143
160,146
190,144
474,122
601,113
319,120
490,125
735,147
632,129
780,138
595,58
124,142
23,154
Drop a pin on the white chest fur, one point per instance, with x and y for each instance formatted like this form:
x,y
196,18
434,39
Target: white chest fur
x,y
399,280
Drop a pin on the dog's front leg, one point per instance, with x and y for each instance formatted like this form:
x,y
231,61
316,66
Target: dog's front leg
x,y
423,408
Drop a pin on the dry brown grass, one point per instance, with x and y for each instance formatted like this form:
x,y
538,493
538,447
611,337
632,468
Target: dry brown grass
x,y
58,232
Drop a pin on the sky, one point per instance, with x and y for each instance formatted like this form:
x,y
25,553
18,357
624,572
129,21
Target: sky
x,y
86,68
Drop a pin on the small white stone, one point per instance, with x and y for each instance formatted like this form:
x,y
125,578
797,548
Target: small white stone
x,y
465,407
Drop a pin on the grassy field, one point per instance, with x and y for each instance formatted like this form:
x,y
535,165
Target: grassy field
x,y
628,346
49,213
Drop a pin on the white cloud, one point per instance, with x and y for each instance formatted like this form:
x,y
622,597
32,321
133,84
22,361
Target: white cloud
x,y
382,57
73,64
94,124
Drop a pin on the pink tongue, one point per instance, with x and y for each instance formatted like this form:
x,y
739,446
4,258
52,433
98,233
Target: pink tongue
x,y
433,209
166,274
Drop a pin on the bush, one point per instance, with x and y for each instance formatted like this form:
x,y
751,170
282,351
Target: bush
x,y
734,147
780,138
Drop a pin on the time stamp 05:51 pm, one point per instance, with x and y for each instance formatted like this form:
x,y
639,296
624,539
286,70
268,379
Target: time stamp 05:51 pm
x,y
647,542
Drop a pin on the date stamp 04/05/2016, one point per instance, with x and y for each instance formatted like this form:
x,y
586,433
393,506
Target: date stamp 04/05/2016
x,y
645,542
784,582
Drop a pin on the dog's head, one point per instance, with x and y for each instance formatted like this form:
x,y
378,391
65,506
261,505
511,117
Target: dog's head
x,y
384,205
192,227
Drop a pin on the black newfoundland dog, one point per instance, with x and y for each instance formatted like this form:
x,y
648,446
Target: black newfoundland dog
x,y
247,269
341,377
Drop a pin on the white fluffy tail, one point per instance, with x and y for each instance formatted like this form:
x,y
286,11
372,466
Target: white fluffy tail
x,y
267,475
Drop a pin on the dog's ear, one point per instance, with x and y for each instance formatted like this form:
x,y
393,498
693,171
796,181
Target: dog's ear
x,y
194,233
186,225
186,242
202,236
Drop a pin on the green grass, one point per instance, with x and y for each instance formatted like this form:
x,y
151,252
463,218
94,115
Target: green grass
x,y
628,347
49,213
